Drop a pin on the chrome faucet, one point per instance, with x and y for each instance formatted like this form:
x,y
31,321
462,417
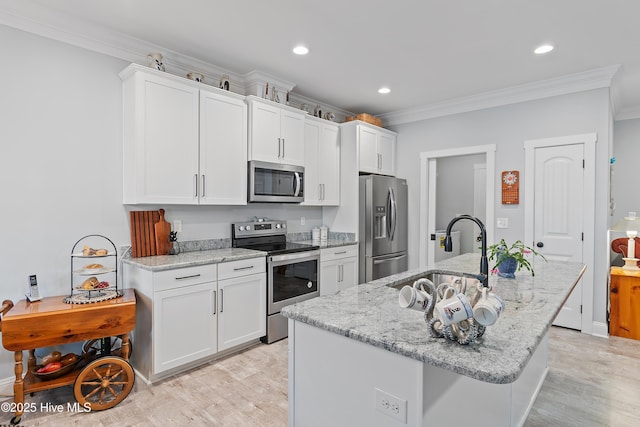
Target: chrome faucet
x,y
484,263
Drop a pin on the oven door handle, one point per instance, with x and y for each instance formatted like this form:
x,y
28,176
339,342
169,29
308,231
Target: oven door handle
x,y
313,254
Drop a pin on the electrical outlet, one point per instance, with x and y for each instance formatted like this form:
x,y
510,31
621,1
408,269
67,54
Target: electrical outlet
x,y
391,405
502,222
177,225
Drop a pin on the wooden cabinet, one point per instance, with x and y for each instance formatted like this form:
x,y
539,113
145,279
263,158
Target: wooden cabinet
x,y
322,163
376,147
338,269
624,298
182,144
276,132
187,316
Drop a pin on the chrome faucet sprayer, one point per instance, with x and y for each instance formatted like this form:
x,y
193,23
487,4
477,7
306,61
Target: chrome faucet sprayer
x,y
484,263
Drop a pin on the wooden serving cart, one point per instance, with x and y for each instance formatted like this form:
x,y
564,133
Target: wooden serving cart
x,y
102,378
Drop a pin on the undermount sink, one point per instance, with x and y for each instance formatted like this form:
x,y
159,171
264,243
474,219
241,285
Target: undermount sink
x,y
438,277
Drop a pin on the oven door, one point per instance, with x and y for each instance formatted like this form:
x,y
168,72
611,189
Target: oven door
x,y
292,278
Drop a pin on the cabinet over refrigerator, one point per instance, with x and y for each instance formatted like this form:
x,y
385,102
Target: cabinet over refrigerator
x,y
383,226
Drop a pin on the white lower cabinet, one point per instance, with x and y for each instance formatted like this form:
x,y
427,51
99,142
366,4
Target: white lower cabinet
x,y
338,269
242,310
185,316
185,325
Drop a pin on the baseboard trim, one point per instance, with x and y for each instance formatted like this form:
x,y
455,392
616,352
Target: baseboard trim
x,y
600,329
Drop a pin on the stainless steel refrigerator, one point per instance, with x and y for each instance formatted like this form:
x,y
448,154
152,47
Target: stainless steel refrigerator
x,y
383,226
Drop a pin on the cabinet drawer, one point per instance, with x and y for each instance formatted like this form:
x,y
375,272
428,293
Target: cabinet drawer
x,y
338,252
180,277
243,267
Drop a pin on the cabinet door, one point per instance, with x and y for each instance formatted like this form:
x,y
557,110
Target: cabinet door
x,y
387,151
242,310
264,141
223,150
292,133
184,325
368,150
329,171
166,141
348,274
328,277
312,189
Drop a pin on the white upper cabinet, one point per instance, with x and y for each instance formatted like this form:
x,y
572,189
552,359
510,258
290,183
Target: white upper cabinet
x,y
181,144
223,150
276,132
376,148
322,163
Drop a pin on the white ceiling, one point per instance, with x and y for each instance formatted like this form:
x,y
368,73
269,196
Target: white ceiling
x,y
426,51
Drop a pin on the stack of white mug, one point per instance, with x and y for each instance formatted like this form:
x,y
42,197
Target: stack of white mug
x,y
448,310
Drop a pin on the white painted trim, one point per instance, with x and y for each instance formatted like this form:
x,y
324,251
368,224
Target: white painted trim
x,y
578,82
600,329
589,140
427,213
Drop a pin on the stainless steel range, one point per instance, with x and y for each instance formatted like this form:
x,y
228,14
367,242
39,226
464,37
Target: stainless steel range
x,y
292,269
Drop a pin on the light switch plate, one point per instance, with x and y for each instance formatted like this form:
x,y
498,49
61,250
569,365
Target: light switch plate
x,y
502,222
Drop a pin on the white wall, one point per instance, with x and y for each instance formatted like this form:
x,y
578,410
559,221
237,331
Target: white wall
x,y
61,166
508,127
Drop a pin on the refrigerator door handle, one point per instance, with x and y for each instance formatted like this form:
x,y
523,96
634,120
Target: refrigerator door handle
x,y
392,209
383,260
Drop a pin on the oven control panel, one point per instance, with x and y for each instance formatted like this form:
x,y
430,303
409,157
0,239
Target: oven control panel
x,y
258,228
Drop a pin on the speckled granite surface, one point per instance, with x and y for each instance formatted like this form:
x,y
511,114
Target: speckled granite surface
x,y
190,259
370,313
329,243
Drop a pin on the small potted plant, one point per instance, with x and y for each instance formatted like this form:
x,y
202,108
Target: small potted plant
x,y
509,258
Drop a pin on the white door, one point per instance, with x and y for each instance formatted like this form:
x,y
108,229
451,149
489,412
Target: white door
x,y
558,215
368,150
292,134
265,133
329,160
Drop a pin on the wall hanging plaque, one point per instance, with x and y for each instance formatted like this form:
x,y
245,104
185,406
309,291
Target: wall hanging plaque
x,y
510,187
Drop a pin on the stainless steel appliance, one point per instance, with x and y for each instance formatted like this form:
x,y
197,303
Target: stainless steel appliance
x,y
292,269
275,182
383,226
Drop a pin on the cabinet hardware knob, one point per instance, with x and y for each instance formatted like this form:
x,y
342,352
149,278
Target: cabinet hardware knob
x,y
539,244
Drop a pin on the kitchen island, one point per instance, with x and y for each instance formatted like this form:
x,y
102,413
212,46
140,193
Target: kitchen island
x,y
358,358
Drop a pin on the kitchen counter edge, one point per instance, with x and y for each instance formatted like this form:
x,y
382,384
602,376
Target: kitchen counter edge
x,y
191,259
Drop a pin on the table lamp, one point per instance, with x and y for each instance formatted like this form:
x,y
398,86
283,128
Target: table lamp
x,y
629,224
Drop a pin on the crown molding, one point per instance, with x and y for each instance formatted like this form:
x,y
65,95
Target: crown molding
x,y
628,114
578,82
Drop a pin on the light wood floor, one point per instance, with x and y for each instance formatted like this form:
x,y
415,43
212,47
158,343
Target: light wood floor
x,y
591,382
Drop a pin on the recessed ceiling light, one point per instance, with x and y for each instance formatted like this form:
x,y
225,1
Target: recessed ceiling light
x,y
384,90
543,49
300,50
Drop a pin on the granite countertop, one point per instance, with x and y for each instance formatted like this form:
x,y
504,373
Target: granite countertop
x,y
329,243
370,313
190,259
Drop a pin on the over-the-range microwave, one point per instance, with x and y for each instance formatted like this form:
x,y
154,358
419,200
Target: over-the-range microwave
x,y
275,182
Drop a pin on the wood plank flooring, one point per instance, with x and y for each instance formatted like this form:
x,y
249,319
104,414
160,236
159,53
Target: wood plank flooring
x,y
591,382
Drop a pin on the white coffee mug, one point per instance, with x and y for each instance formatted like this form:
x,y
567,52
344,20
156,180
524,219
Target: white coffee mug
x,y
488,308
454,309
412,297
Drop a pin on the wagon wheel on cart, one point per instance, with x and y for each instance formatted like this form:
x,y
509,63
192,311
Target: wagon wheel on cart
x,y
115,349
104,383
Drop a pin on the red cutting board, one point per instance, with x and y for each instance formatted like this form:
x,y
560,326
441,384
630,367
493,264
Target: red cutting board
x,y
162,229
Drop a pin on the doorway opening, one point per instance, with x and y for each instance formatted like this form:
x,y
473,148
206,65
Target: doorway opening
x,y
430,188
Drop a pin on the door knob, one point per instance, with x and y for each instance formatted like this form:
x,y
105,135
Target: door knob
x,y
539,244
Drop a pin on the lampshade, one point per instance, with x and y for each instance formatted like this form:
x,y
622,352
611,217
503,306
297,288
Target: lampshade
x,y
630,223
